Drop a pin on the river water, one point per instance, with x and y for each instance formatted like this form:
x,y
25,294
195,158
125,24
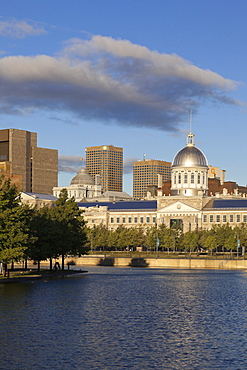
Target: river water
x,y
126,318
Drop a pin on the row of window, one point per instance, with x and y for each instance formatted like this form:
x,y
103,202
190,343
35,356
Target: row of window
x,y
224,218
134,219
191,178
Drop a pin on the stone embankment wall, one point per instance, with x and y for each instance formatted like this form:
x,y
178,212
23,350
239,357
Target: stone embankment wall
x,y
182,263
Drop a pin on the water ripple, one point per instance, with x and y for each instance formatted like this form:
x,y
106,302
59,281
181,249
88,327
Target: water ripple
x,y
117,318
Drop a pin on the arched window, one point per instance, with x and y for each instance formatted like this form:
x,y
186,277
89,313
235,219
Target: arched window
x,y
179,178
192,180
198,178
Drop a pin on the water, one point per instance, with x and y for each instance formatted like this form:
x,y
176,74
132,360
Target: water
x,y
123,318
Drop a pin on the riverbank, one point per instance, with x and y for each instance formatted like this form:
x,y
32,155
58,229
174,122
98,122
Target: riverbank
x,y
152,262
21,275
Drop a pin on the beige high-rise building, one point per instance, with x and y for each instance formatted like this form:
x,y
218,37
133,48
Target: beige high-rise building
x,y
37,167
106,161
145,175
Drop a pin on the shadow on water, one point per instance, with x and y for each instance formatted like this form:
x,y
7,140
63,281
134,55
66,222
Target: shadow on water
x,y
138,262
107,261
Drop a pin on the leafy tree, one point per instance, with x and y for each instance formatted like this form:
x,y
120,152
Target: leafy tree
x,y
210,241
15,218
167,237
190,241
112,240
60,231
43,229
122,238
223,233
151,237
97,237
68,227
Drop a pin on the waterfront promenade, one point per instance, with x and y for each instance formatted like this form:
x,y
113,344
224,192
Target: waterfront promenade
x,y
153,262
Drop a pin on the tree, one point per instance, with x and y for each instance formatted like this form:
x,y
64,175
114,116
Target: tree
x,y
190,241
60,231
68,227
15,218
43,229
167,237
210,241
97,237
151,237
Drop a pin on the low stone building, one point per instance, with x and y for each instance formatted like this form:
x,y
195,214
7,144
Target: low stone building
x,y
125,213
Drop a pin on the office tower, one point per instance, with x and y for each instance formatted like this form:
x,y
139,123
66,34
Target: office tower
x,y
106,161
145,175
37,167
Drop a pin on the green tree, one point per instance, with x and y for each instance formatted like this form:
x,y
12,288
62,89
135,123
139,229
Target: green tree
x,y
167,237
210,241
42,227
151,237
97,237
190,241
60,231
15,218
68,227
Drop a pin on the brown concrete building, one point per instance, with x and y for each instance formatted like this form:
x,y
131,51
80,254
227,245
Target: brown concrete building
x,y
145,176
37,168
6,174
107,162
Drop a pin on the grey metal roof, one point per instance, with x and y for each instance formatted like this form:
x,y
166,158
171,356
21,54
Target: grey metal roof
x,y
226,204
82,178
147,205
190,156
41,196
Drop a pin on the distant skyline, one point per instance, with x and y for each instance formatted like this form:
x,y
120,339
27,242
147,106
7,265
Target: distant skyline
x,y
127,73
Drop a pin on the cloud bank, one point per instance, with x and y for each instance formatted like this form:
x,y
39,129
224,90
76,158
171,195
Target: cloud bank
x,y
73,163
20,29
69,163
112,81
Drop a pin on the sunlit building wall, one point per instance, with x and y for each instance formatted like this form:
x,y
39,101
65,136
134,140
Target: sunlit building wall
x,y
106,161
36,167
145,174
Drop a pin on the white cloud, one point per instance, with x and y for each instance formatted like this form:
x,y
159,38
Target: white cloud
x,y
69,163
73,163
113,81
20,29
128,165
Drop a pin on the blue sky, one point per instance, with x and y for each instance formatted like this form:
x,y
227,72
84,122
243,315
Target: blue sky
x,y
127,72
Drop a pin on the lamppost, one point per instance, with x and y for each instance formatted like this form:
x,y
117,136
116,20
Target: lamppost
x,y
238,243
157,246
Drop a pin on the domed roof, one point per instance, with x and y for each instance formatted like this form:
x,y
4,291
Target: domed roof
x,y
190,156
82,178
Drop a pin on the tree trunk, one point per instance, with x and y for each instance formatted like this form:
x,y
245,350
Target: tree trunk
x,y
5,269
50,264
38,265
62,262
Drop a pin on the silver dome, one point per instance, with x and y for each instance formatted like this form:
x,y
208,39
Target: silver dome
x,y
82,178
190,156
